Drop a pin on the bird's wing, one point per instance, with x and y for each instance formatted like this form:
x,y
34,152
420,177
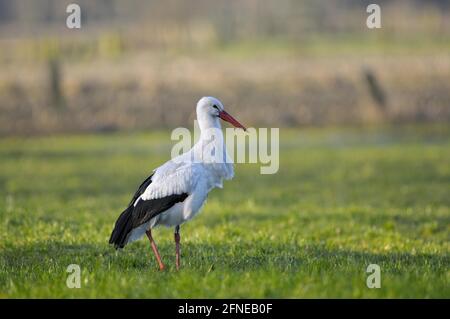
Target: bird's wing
x,y
169,184
141,189
173,178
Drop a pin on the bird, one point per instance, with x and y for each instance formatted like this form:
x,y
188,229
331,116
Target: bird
x,y
176,191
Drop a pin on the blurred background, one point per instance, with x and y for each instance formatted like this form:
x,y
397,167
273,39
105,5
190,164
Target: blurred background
x,y
137,65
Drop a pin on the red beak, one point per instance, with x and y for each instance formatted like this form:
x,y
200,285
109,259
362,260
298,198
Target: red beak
x,y
228,118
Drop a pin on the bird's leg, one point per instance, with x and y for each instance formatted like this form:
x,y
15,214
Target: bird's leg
x,y
155,249
177,246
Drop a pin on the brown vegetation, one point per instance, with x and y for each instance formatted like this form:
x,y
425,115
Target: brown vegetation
x,y
286,65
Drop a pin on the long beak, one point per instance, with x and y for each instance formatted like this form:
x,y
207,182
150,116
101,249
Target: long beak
x,y
228,118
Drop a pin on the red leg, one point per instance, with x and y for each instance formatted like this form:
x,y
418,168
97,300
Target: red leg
x,y
155,249
177,246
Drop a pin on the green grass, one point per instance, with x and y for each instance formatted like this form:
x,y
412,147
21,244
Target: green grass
x,y
343,198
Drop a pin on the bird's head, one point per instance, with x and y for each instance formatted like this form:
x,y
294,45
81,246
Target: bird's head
x,y
211,107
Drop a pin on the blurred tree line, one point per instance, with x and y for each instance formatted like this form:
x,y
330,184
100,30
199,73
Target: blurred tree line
x,y
144,63
231,19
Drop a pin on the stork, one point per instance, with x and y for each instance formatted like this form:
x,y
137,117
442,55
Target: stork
x,y
176,191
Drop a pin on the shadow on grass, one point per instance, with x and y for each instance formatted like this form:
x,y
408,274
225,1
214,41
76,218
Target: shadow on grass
x,y
362,216
408,225
210,257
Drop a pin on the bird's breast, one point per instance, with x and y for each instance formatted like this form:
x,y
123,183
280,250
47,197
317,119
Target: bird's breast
x,y
184,211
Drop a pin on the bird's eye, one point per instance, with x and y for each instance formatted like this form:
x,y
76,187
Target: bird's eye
x,y
216,107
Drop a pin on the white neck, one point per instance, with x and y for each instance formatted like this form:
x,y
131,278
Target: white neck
x,y
206,122
211,137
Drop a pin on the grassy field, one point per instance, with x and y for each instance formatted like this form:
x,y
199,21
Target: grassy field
x,y
343,199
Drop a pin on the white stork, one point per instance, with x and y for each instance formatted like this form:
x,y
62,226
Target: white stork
x,y
175,192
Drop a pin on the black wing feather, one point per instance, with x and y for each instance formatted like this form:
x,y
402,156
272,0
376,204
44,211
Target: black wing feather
x,y
134,216
141,189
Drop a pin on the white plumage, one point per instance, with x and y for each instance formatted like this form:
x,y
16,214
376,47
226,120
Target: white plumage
x,y
193,174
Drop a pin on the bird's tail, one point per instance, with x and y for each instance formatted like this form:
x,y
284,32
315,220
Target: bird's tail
x,y
122,229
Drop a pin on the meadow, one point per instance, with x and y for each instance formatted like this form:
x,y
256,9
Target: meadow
x,y
343,198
